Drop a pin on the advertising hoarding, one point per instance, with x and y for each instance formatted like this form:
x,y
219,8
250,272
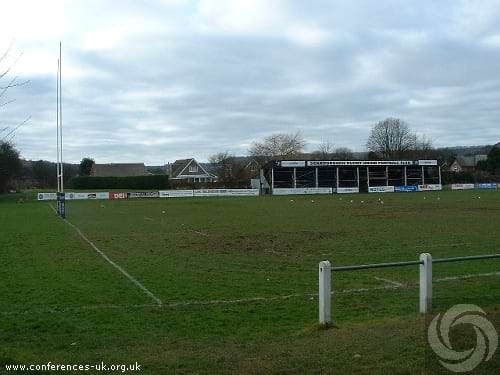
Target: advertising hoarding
x,y
292,163
118,195
73,196
143,194
462,186
349,190
176,193
225,192
358,163
430,187
47,196
487,185
405,189
301,191
381,189
428,162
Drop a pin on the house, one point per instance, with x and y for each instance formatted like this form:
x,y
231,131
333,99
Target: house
x,y
246,167
119,170
235,169
189,170
253,167
466,163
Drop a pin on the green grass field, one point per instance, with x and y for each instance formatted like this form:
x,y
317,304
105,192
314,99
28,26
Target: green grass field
x,y
237,278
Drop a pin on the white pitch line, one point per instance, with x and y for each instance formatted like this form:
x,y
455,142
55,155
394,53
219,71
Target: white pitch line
x,y
53,310
361,290
148,218
395,283
125,273
464,277
444,245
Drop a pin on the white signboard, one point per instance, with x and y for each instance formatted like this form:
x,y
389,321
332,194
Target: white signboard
x,y
301,191
47,196
143,194
357,163
84,196
352,190
225,192
462,186
292,163
176,193
428,162
381,189
73,196
430,187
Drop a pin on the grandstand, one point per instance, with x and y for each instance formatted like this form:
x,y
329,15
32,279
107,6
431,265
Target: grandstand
x,y
351,176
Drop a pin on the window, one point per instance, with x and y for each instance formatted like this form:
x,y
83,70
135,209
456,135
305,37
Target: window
x,y
193,168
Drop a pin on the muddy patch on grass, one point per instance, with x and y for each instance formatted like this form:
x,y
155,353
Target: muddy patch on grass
x,y
282,244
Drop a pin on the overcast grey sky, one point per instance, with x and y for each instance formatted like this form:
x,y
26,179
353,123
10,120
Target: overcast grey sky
x,y
154,81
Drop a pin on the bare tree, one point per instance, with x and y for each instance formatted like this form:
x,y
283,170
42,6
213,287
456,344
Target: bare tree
x,y
7,82
325,150
222,165
391,139
10,162
278,146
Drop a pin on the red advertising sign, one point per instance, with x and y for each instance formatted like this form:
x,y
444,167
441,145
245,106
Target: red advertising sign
x,y
120,195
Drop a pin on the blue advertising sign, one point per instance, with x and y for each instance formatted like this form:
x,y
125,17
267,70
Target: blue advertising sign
x,y
405,189
489,185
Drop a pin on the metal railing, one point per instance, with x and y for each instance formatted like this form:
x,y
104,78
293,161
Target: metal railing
x,y
425,285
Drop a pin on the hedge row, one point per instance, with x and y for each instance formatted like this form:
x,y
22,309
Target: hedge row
x,y
108,183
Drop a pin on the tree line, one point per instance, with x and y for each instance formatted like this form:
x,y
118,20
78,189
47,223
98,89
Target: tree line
x,y
388,139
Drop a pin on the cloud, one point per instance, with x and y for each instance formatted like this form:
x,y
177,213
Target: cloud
x,y
182,78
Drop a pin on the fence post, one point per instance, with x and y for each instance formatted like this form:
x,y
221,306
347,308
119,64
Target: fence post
x,y
426,283
325,297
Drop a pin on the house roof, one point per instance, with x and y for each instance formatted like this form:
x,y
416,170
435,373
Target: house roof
x,y
119,170
209,167
178,167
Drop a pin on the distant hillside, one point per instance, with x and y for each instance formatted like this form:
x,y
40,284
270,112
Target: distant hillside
x,y
468,150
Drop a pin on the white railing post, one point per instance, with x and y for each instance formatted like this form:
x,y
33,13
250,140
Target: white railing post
x,y
325,297
426,283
